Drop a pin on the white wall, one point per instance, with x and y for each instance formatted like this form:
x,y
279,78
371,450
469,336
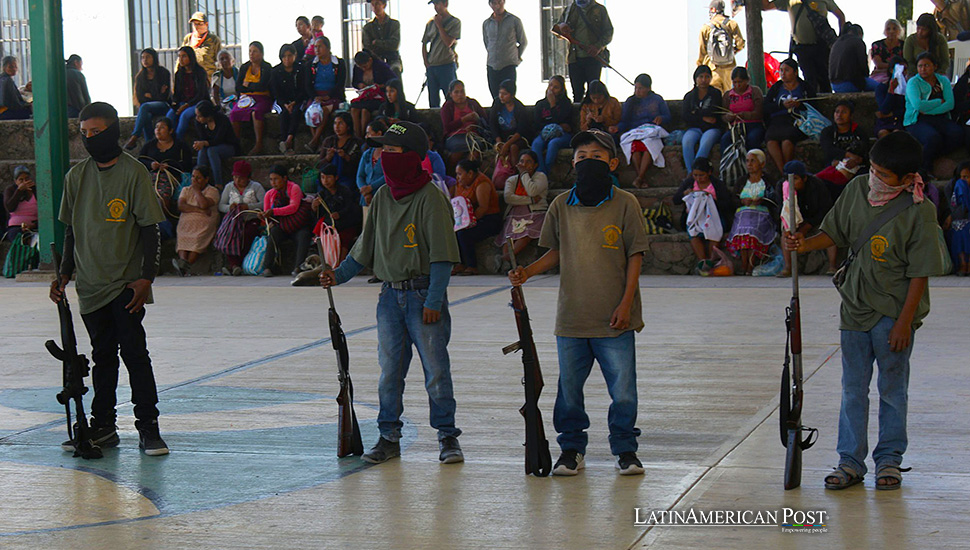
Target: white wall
x,y
652,36
97,30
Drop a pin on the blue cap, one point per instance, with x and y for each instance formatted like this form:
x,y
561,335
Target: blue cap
x,y
796,167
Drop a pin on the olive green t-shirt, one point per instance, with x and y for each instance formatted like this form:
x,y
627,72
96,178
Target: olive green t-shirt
x,y
594,245
439,53
910,245
106,208
401,239
804,31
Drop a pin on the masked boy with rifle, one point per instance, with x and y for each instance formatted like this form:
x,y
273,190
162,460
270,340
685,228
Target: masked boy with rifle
x,y
409,241
112,241
896,244
595,233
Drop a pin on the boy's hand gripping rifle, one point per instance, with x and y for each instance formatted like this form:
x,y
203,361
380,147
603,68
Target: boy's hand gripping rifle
x,y
792,394
75,369
538,461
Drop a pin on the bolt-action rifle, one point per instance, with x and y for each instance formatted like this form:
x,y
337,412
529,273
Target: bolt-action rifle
x,y
538,461
792,393
348,440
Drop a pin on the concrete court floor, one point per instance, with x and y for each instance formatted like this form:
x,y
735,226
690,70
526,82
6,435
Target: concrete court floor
x,y
247,381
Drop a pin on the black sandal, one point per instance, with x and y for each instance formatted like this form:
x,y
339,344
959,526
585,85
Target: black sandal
x,y
845,477
887,472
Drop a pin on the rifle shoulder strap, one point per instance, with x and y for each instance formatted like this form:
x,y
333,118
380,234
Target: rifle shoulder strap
x,y
596,31
876,224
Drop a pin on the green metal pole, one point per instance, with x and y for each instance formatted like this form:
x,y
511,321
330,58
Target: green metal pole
x,y
756,44
50,118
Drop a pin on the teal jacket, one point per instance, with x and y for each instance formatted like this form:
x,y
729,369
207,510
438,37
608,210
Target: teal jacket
x,y
918,102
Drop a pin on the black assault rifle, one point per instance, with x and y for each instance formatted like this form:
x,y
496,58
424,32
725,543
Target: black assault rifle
x,y
791,375
538,461
75,369
348,434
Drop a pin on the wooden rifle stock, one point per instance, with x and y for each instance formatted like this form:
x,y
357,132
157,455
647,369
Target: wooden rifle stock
x,y
538,460
348,435
75,369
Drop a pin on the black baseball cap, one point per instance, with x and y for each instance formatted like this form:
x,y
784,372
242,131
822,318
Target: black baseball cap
x,y
598,136
407,135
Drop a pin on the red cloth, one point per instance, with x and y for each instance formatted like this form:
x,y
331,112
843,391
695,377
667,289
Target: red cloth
x,y
832,175
638,147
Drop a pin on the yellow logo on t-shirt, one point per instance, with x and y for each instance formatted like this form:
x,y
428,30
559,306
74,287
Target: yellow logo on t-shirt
x,y
410,231
116,209
611,234
878,245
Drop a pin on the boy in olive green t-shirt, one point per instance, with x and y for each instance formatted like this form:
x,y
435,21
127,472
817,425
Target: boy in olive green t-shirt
x,y
112,240
409,241
884,301
595,233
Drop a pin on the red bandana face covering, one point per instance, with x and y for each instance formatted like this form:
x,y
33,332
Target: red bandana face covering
x,y
881,193
403,173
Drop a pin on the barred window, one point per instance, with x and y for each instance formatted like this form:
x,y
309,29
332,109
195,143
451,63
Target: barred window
x,y
554,49
15,36
161,24
356,14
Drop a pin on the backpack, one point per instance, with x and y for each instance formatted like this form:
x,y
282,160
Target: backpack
x,y
720,46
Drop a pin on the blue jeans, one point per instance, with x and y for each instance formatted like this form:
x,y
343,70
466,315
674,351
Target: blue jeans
x,y
618,361
859,350
547,151
439,78
938,134
146,114
212,156
754,136
706,140
182,121
850,88
400,325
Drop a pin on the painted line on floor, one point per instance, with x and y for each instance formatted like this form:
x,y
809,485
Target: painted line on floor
x,y
259,362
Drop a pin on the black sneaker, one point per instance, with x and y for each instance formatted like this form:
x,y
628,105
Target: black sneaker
x,y
450,450
628,464
382,452
569,464
102,436
150,441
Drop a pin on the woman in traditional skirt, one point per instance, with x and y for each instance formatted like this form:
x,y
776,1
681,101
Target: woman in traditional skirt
x,y
525,195
754,227
199,221
239,204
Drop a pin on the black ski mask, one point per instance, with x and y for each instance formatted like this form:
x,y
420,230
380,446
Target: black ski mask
x,y
593,181
104,146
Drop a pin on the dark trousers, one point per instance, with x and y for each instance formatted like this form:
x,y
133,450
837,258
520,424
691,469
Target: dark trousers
x,y
938,134
289,122
581,73
813,59
110,328
754,136
16,114
276,238
488,226
497,76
